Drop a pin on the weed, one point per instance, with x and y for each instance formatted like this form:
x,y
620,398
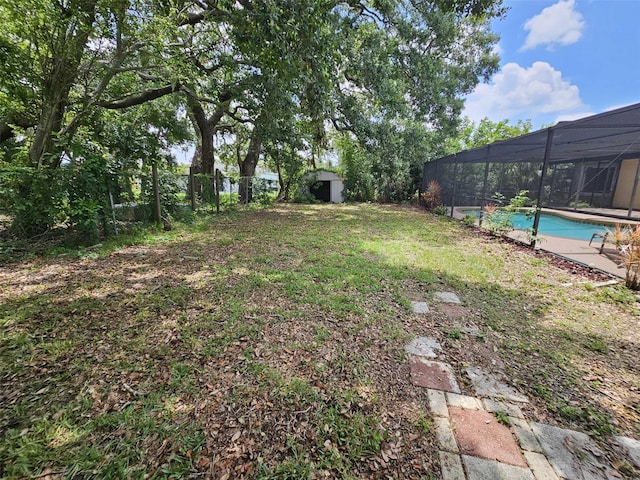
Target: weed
x,y
502,418
597,344
617,295
440,210
543,392
321,334
353,433
469,220
455,334
423,424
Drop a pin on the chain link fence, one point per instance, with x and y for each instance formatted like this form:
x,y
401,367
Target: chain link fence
x,y
95,202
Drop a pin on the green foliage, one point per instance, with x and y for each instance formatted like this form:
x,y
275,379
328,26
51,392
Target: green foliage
x,y
441,210
498,218
618,294
355,170
502,418
34,199
128,78
469,220
303,193
469,135
454,334
423,424
354,434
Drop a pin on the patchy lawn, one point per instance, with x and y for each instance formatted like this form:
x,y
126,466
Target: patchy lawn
x,y
270,344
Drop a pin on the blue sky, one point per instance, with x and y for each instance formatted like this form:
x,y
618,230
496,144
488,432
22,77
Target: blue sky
x,y
562,60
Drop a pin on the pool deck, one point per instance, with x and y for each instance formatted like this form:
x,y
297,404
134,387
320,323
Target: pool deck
x,y
576,250
579,251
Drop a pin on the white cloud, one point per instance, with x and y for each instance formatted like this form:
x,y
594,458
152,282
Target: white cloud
x,y
519,93
558,24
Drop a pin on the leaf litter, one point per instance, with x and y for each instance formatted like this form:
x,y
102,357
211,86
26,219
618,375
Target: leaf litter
x,y
260,358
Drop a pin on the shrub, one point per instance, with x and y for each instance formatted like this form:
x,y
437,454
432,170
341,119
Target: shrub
x,y
630,255
35,199
440,210
431,197
469,220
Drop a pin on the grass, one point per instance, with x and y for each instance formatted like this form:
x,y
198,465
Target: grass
x,y
269,343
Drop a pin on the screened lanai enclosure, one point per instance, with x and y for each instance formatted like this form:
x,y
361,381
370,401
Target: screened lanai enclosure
x,y
591,165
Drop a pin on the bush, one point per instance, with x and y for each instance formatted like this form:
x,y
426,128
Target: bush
x,y
431,197
440,210
469,220
35,199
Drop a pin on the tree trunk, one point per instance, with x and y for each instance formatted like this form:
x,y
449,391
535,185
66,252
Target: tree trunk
x,y
247,166
206,129
205,164
61,77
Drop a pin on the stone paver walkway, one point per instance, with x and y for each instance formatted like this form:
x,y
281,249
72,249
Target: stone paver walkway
x,y
486,436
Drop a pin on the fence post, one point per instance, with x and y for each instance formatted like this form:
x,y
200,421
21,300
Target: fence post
x,y
157,215
483,200
217,180
455,177
113,212
192,189
545,162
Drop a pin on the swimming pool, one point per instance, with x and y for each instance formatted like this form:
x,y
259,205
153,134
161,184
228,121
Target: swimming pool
x,y
554,225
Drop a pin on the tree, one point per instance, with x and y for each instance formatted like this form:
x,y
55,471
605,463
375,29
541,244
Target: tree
x,y
391,72
402,86
508,179
470,135
355,169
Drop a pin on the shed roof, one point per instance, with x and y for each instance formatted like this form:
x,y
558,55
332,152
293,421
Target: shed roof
x,y
611,134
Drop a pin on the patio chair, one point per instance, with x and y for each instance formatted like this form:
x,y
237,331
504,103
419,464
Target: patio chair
x,y
603,238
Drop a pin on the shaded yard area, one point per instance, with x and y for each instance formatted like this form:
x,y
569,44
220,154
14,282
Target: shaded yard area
x,y
270,344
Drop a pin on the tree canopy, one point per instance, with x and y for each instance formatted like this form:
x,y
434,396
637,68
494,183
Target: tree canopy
x,y
283,75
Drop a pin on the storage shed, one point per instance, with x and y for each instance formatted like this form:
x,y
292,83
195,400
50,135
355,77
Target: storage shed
x,y
325,186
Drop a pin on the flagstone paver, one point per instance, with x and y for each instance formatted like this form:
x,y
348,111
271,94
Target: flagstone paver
x,y
451,466
487,385
540,466
471,330
632,448
573,455
463,401
445,436
447,297
424,347
473,445
481,469
437,403
430,374
420,307
508,408
524,434
480,434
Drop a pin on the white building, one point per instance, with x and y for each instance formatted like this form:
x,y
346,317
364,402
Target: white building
x,y
325,186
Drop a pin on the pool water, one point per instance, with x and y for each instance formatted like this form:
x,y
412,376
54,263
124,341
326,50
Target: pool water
x,y
553,225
